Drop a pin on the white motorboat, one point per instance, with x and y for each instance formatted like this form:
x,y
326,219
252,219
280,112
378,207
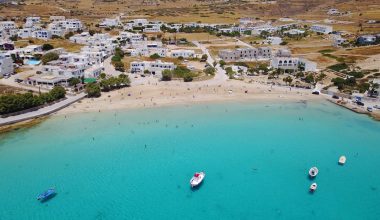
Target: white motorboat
x,y
313,172
313,187
342,160
197,179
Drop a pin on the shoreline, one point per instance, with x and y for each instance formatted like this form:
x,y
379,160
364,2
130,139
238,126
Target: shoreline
x,y
174,93
163,94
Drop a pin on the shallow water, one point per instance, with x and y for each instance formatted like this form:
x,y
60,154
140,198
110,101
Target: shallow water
x,y
137,164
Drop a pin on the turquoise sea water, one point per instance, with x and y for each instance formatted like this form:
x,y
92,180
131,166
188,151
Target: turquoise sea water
x,y
137,164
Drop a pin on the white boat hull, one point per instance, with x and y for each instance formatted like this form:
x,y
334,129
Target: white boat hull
x,y
197,180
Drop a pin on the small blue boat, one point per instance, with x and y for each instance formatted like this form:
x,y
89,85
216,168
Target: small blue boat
x,y
46,195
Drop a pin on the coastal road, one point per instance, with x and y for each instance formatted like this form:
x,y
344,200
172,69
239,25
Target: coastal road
x,y
42,111
220,75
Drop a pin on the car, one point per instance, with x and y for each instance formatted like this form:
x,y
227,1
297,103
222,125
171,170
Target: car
x,y
142,75
360,103
377,106
315,93
335,97
18,80
7,75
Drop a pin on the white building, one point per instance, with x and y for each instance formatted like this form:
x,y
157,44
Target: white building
x,y
131,36
182,53
154,67
6,65
31,22
25,33
241,54
323,29
7,25
110,22
57,18
42,34
293,63
135,23
274,40
152,28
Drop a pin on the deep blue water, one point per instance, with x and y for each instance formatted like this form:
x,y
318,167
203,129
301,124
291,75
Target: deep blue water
x,y
136,164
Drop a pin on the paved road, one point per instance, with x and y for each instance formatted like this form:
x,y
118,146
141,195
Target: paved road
x,y
42,111
220,75
109,69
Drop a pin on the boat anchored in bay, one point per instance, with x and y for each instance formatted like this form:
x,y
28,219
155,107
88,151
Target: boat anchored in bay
x,y
48,194
197,179
342,160
313,172
313,187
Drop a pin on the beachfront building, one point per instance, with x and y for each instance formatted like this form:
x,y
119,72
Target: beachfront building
x,y
245,54
153,67
322,29
182,53
6,64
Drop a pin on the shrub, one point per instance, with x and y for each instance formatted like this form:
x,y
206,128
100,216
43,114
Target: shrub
x,y
167,75
47,47
49,57
93,90
155,56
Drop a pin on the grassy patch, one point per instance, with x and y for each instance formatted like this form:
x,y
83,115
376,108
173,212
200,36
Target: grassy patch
x,y
338,67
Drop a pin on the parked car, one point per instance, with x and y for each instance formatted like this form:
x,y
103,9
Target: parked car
x,y
360,103
7,75
335,97
315,93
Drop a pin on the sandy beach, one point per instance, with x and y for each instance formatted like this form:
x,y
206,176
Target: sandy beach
x,y
154,94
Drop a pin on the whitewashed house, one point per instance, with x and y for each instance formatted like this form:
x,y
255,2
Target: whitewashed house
x,y
152,28
241,54
57,18
110,22
154,67
182,53
323,29
128,36
42,34
31,22
25,33
274,40
7,25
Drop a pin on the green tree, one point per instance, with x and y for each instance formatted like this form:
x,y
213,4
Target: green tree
x,y
155,56
167,75
204,57
288,80
58,92
46,47
49,57
222,63
74,81
209,71
309,78
93,90
68,35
